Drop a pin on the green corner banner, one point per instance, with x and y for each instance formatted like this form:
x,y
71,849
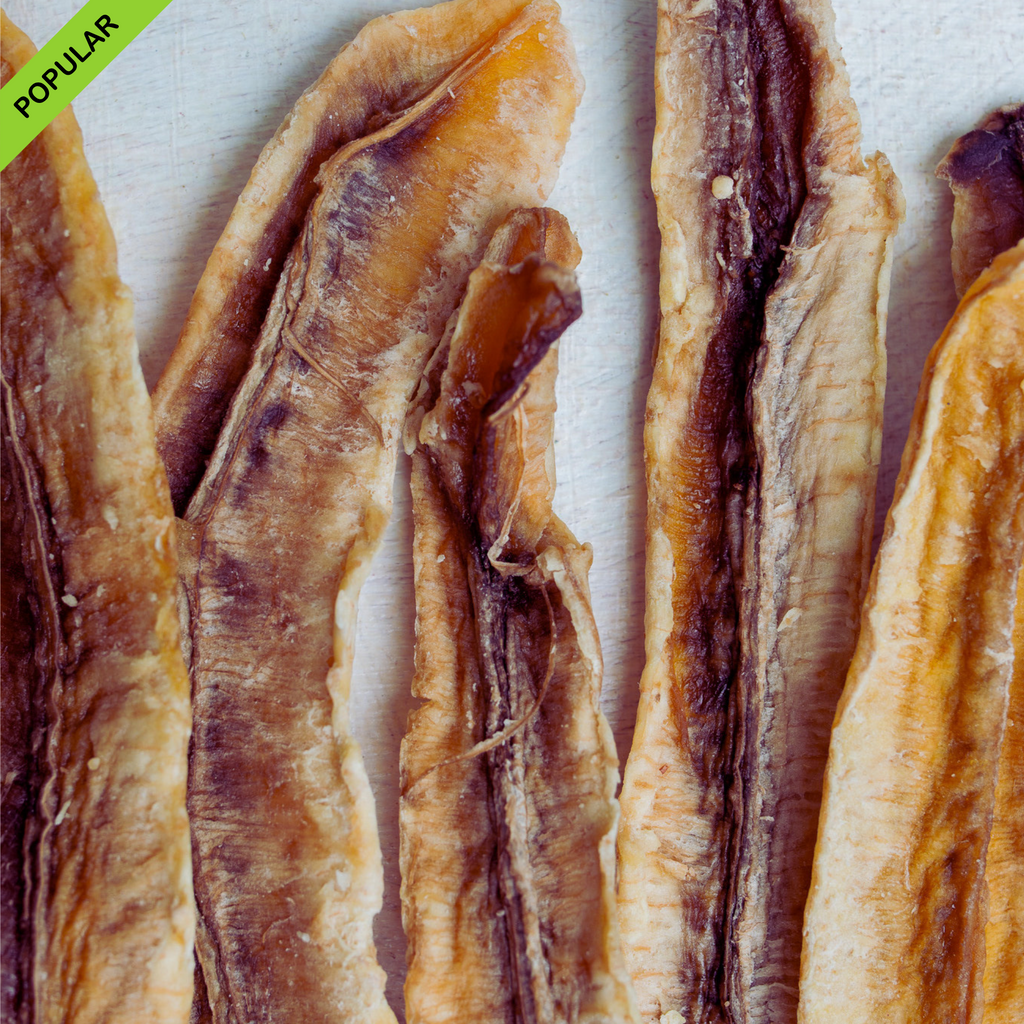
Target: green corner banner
x,y
66,65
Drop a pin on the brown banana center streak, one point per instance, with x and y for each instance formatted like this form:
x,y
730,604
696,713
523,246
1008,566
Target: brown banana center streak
x,y
32,582
508,691
510,697
509,619
766,88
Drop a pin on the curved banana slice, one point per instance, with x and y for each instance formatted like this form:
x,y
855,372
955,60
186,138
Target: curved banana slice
x,y
896,917
294,504
98,916
389,66
985,169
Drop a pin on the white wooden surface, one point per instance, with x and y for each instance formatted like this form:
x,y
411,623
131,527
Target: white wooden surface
x,y
173,127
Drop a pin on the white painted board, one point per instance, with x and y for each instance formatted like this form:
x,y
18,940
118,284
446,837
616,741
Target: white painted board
x,y
174,126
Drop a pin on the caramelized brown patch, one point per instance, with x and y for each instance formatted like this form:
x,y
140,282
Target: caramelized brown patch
x,y
985,170
26,647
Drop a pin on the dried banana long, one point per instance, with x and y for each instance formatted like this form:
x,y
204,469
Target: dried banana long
x,y
1003,981
985,169
508,813
391,64
294,504
762,444
895,927
98,918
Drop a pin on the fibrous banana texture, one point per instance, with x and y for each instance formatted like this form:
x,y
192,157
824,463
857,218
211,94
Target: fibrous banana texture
x,y
762,443
294,504
390,65
1004,865
985,170
896,917
508,814
98,917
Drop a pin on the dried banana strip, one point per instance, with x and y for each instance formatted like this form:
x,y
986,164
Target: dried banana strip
x,y
293,507
98,918
1003,981
390,65
508,813
985,170
895,926
762,444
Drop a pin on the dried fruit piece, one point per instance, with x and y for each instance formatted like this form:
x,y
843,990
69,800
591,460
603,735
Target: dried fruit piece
x,y
762,445
97,906
895,926
390,65
294,505
1004,864
985,170
508,770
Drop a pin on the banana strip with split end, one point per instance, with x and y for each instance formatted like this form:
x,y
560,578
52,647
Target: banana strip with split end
x,y
98,917
762,443
508,814
896,918
985,170
294,505
390,65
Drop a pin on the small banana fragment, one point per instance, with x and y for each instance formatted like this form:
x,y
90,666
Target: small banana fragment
x,y
985,170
